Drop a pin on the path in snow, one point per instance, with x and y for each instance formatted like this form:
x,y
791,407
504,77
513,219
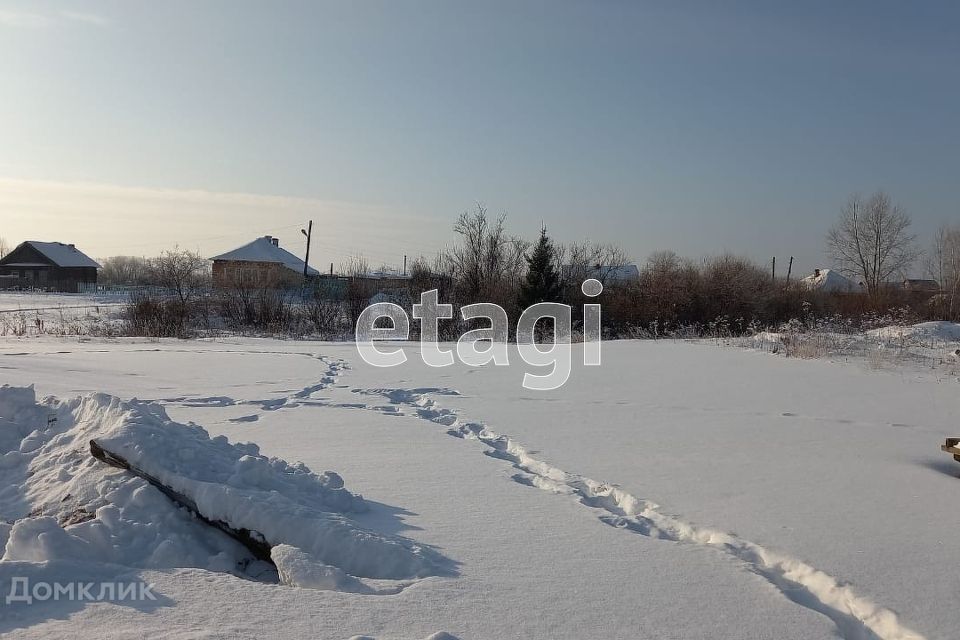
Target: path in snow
x,y
856,617
290,400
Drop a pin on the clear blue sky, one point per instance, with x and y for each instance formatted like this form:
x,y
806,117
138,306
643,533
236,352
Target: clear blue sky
x,y
697,126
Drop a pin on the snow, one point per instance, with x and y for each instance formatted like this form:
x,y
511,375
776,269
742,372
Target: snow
x,y
829,281
50,486
263,250
942,331
927,346
59,313
232,483
32,301
678,490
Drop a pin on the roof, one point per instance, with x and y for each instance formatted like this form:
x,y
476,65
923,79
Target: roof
x,y
620,273
829,281
382,274
264,250
919,283
62,255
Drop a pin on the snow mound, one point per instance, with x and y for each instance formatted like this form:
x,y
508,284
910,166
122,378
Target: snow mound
x,y
61,503
772,337
932,331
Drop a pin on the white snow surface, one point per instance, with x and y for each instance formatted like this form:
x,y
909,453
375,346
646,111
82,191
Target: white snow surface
x,y
679,490
38,300
43,447
931,331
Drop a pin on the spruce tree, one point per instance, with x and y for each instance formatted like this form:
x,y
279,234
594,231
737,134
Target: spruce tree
x,y
542,283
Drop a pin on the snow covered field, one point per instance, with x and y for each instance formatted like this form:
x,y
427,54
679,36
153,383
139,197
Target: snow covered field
x,y
33,313
928,346
678,491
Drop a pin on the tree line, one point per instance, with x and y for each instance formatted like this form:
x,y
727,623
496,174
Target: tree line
x,y
871,242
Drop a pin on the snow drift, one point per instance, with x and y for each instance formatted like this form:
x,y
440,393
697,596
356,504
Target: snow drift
x,y
938,331
60,503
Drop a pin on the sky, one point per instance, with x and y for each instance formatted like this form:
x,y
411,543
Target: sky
x,y
130,127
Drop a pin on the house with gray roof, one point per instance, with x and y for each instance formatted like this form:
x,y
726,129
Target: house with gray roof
x,y
47,266
257,264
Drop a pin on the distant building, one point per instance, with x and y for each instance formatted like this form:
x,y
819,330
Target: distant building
x,y
50,266
386,279
261,263
928,287
830,281
620,274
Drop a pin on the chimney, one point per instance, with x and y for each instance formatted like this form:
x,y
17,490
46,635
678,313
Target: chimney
x,y
274,241
816,273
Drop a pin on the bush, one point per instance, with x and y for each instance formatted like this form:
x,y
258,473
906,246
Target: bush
x,y
325,318
153,315
266,310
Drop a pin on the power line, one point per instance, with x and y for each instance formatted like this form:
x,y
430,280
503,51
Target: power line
x,y
218,237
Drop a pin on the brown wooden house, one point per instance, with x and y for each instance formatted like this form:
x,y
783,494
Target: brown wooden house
x,y
48,266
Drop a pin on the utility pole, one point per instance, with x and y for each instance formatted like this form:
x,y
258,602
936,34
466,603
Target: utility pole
x,y
308,232
789,269
404,264
774,270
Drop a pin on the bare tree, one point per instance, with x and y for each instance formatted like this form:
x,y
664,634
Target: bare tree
x,y
4,247
424,277
360,288
591,260
872,240
487,263
182,272
124,270
355,265
662,281
943,265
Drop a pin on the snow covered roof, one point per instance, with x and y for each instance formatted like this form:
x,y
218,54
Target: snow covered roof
x,y
830,281
63,255
265,249
915,284
621,273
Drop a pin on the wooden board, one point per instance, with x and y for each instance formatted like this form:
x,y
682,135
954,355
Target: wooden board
x,y
252,541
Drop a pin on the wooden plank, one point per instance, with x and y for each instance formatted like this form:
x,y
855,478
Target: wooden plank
x,y
257,547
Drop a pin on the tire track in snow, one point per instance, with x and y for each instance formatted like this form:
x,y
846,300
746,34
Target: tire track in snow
x,y
856,617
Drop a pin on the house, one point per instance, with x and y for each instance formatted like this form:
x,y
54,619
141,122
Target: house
x,y
923,287
830,281
50,266
261,263
607,274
